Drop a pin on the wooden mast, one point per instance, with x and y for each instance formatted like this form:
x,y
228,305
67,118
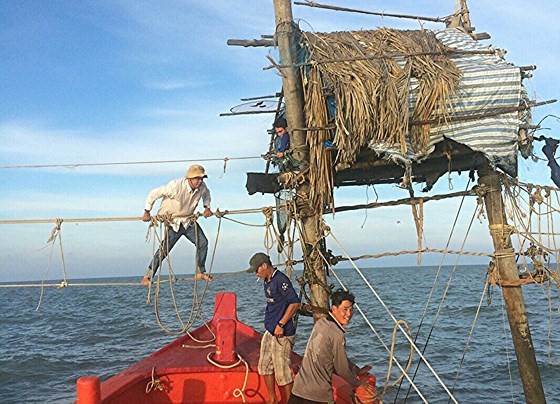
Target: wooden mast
x,y
513,295
286,36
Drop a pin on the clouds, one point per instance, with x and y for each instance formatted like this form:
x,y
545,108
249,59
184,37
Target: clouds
x,y
173,84
119,81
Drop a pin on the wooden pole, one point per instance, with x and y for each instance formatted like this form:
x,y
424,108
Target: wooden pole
x,y
513,296
382,14
287,39
250,42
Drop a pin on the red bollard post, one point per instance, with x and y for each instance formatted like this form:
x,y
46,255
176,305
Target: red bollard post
x,y
88,390
225,342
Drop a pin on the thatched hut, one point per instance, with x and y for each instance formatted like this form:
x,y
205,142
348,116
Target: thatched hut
x,y
404,106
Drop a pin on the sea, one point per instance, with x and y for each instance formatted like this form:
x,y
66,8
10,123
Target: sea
x,y
101,330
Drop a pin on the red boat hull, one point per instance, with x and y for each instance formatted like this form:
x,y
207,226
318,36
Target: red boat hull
x,y
182,372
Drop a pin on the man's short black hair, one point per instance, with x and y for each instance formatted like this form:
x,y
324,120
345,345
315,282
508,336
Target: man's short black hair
x,y
341,295
281,123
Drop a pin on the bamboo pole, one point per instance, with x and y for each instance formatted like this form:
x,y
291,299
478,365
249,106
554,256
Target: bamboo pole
x,y
291,82
395,55
272,111
465,13
513,295
382,14
250,42
286,36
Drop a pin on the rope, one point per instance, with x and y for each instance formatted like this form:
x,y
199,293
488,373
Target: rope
x,y
64,284
404,252
236,392
55,232
418,215
155,383
76,165
444,295
475,191
357,306
408,363
471,331
507,343
400,327
128,218
196,305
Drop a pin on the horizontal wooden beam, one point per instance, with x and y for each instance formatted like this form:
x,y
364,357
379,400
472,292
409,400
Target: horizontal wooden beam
x,y
251,42
382,14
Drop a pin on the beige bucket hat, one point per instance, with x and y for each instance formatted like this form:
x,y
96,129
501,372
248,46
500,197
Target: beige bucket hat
x,y
196,171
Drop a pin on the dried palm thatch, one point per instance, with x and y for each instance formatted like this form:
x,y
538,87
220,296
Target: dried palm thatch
x,y
320,176
370,75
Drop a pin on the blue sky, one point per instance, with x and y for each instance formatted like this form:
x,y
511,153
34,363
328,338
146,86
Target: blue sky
x,y
126,81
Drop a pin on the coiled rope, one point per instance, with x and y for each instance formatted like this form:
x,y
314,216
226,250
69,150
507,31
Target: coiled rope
x,y
236,392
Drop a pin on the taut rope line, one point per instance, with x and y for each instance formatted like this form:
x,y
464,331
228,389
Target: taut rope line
x,y
470,334
403,370
124,219
396,322
76,165
444,295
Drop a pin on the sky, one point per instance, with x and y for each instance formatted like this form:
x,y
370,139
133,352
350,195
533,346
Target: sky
x,y
123,81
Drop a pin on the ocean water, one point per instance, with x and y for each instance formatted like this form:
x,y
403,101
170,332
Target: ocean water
x,y
101,330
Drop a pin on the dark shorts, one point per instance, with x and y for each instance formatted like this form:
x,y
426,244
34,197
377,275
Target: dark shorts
x,y
298,400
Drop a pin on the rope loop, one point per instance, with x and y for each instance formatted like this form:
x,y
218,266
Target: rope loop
x,y
55,230
537,196
267,212
165,218
238,392
226,159
155,383
219,214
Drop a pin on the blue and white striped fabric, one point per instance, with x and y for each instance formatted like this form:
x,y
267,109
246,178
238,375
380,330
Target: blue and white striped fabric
x,y
488,83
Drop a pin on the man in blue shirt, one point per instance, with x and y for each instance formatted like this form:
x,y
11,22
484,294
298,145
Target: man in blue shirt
x,y
282,303
283,137
281,145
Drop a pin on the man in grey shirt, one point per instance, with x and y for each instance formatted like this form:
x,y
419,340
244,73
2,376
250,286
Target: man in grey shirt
x,y
325,355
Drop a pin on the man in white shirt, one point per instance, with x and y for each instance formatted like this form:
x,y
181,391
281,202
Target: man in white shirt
x,y
180,199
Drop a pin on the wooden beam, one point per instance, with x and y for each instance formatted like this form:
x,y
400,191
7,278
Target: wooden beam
x,y
262,97
287,36
405,201
382,14
247,113
489,113
393,55
513,296
251,42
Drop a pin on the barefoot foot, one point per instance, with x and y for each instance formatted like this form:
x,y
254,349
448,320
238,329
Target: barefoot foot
x,y
146,281
205,277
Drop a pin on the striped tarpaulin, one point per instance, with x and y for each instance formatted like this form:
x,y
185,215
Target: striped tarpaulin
x,y
488,84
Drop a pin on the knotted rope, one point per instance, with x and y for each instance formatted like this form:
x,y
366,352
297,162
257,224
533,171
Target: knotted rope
x,y
55,233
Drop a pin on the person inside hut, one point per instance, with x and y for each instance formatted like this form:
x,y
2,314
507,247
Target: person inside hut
x,y
281,144
325,355
282,303
282,157
180,198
